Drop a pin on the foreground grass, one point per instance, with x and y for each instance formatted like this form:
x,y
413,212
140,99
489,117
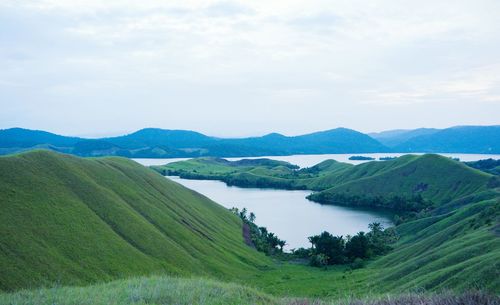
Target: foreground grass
x,y
168,290
151,290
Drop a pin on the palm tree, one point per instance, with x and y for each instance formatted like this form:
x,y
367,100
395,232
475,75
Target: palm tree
x,y
251,218
243,213
281,243
313,240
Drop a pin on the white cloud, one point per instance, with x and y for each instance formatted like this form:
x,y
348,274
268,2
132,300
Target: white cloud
x,y
478,85
345,59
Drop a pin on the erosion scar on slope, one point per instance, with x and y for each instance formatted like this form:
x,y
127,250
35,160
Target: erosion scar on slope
x,y
247,235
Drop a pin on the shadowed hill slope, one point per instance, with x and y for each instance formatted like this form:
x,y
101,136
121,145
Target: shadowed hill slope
x,y
71,220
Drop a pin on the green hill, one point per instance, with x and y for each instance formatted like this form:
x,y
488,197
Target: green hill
x,y
460,249
433,177
75,221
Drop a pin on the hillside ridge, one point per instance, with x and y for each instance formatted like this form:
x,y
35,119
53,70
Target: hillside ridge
x,y
105,218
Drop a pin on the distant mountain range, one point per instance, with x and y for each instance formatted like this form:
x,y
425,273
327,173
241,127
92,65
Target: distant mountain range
x,y
162,143
459,139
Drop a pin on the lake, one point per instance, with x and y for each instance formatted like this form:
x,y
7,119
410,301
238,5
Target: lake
x,y
310,160
288,213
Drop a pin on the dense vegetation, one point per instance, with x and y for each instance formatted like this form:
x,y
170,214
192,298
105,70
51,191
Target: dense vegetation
x,y
327,249
490,166
259,237
361,158
398,204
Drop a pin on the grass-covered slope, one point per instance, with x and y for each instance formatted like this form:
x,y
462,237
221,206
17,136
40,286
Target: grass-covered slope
x,y
459,250
434,177
243,173
71,220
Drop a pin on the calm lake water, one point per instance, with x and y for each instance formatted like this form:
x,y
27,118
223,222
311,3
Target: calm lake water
x,y
310,160
288,213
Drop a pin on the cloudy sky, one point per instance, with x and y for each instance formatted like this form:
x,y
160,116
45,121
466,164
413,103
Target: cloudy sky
x,y
238,68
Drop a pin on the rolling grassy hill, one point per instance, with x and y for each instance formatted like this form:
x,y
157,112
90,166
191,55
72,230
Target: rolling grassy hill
x,y
460,249
75,221
434,177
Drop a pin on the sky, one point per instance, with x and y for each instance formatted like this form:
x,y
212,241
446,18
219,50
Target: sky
x,y
240,68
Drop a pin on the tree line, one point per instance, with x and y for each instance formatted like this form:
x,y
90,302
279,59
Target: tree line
x,y
327,249
396,203
263,240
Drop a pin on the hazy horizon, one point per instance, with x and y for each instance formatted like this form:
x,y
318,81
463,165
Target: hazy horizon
x,y
237,68
243,135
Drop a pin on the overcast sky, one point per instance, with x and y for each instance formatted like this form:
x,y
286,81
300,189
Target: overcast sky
x,y
239,68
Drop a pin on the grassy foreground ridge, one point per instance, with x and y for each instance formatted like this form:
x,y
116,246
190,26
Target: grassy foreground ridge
x,y
167,290
74,221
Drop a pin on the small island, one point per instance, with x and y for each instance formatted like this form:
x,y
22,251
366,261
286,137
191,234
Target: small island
x,y
361,158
